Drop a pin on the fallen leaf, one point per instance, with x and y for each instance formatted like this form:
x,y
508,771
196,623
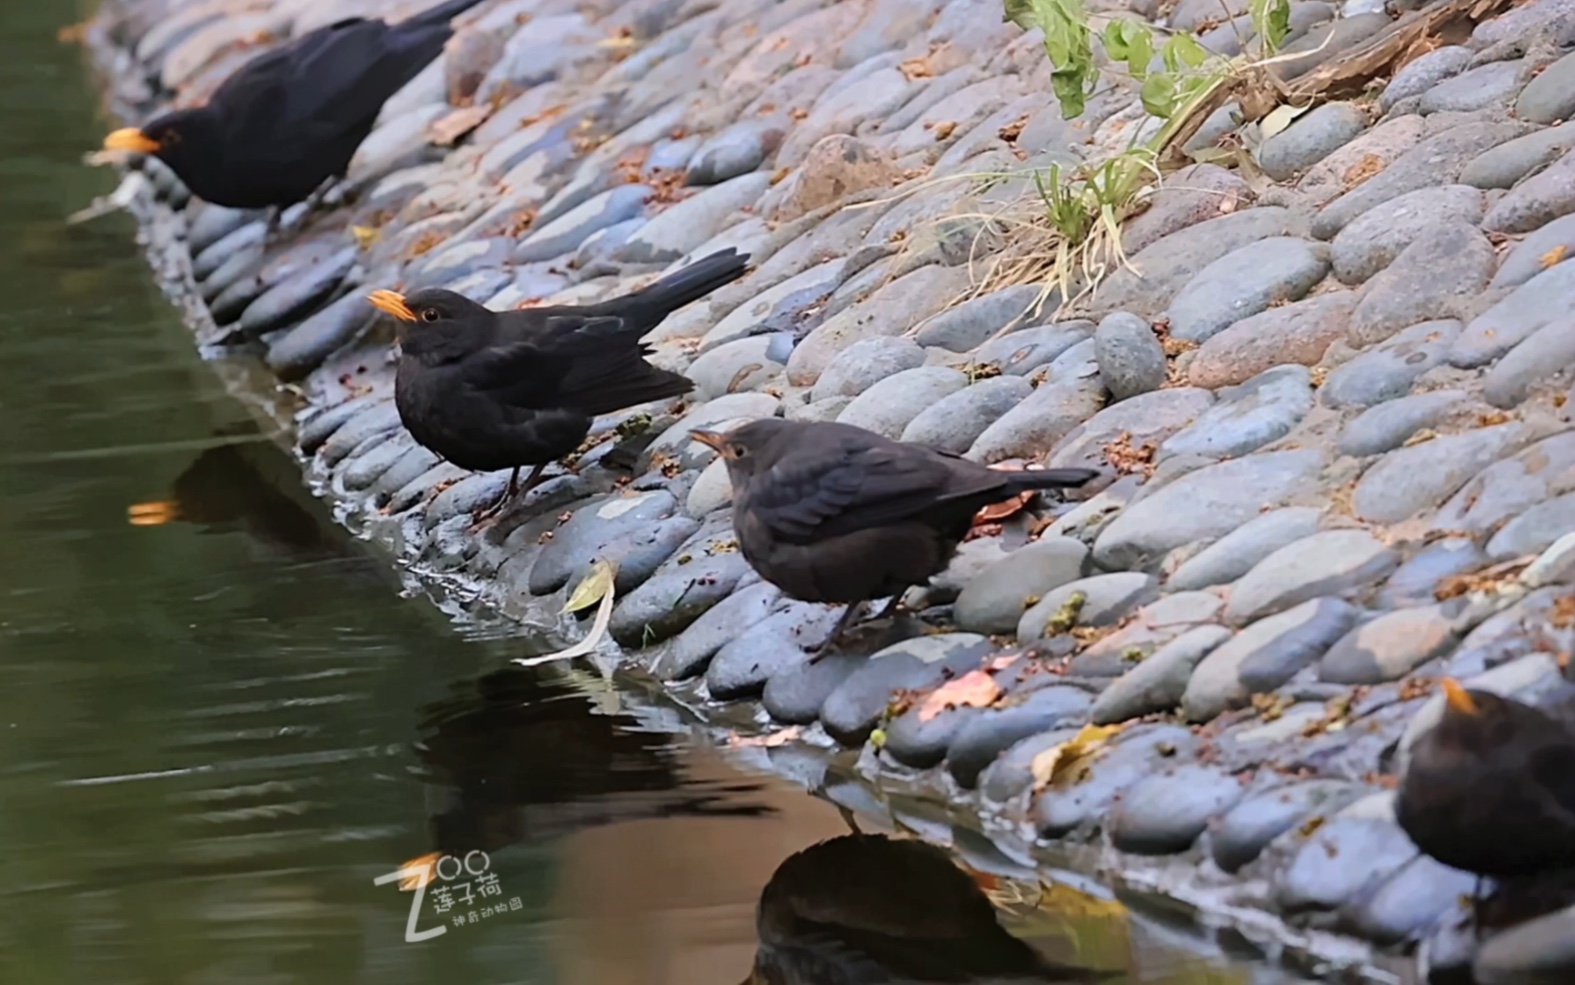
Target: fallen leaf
x,y
593,587
996,512
975,689
445,131
1280,118
598,584
1056,762
364,236
1553,256
771,741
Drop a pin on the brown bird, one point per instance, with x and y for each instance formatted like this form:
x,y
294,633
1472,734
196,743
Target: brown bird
x,y
1490,789
490,390
834,513
872,910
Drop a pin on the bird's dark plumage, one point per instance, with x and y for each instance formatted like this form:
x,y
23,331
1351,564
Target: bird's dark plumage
x,y
834,513
1491,788
290,119
491,390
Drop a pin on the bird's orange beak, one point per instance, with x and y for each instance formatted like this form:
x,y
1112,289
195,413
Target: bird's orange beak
x,y
130,138
710,438
1459,698
393,303
152,514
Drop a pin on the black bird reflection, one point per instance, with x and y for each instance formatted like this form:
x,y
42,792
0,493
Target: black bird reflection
x,y
867,909
516,756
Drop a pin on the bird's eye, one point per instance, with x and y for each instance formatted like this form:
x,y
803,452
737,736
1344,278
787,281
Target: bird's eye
x,y
737,451
169,138
429,314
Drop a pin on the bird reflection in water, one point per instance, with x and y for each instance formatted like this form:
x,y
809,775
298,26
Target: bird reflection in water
x,y
867,909
516,756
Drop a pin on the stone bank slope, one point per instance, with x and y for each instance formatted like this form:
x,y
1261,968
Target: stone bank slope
x,y
1334,398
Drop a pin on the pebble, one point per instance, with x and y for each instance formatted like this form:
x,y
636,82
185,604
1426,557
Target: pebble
x,y
978,319
1439,276
1157,683
700,573
889,311
1414,581
1550,97
1390,646
1246,417
955,421
865,363
1373,240
1081,800
887,407
361,471
1073,395
1205,503
1300,333
719,412
1021,352
365,421
688,224
1150,628
1245,282
1340,860
794,696
1534,530
1506,164
1507,488
1130,358
1414,900
1263,656
1388,370
1311,138
995,600
776,644
1240,550
742,364
1164,814
1145,420
605,529
1423,73
991,732
1247,829
1545,356
565,233
1191,195
1536,201
1331,562
303,348
736,150
1418,477
1106,600
853,709
1486,87
1548,246
692,650
1388,426
1542,299
1373,151
1156,273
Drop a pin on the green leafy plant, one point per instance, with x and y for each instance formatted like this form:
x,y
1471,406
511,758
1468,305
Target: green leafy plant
x,y
1069,41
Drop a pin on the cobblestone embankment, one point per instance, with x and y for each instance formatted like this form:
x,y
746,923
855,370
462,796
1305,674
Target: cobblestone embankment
x,y
1332,392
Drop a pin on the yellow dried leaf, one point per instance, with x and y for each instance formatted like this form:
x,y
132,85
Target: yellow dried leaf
x,y
1554,256
1056,762
770,741
592,587
364,236
1280,118
975,689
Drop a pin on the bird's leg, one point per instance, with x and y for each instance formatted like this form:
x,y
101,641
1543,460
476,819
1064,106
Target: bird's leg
x,y
271,230
514,489
849,819
890,608
849,615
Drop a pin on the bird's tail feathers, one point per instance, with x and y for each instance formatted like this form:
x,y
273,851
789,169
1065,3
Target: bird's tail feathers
x,y
441,14
694,281
1050,479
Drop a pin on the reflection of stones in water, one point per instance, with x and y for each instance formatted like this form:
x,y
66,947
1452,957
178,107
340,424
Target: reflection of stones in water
x,y
516,755
864,909
227,488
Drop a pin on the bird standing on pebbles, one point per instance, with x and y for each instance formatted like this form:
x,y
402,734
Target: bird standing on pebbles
x,y
830,512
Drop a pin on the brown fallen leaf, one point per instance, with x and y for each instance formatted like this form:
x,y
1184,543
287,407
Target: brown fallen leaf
x,y
975,689
771,741
1553,256
1058,762
443,132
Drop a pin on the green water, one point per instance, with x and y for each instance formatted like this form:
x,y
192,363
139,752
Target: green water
x,y
220,725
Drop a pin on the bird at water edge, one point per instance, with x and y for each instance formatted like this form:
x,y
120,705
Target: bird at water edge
x,y
284,127
830,512
491,390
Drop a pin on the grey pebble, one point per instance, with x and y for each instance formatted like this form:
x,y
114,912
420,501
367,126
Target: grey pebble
x,y
776,644
978,319
1236,553
1106,599
991,732
865,363
1486,87
1259,818
1021,352
1130,358
887,407
1550,97
1373,240
1245,282
1423,73
1530,256
1078,804
1390,646
1438,276
1164,814
1247,417
956,420
1539,301
1387,370
994,601
1157,683
1311,138
1418,477
1263,656
1331,562
851,711
692,650
1389,425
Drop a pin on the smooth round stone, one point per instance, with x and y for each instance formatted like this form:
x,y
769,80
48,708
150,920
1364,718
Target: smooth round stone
x,y
1332,562
977,320
373,420
1130,358
774,645
1425,72
851,711
1389,369
594,531
1078,803
1530,256
692,650
208,224
1534,530
304,347
1205,503
743,364
795,695
318,428
922,743
1373,240
1341,860
247,239
865,363
1540,301
1046,416
994,601
363,470
1391,646
1158,682
565,233
1388,426
1550,97
1246,829
1245,282
887,407
1021,352
1505,165
738,149
1239,551
1311,138
1535,952
1415,899
984,736
1147,419
784,307
1248,416
1438,276
1189,196
1546,355
1011,773
683,227
1263,656
1300,333
1418,477
1165,814
701,572
1490,86
1174,261
1414,581
1106,599
1536,201
955,421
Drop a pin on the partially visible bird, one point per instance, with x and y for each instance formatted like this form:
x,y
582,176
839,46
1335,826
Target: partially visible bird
x,y
287,123
830,512
1490,789
490,390
872,910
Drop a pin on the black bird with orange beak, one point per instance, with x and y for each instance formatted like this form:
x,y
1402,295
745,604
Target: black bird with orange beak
x,y
830,512
491,390
287,123
1490,789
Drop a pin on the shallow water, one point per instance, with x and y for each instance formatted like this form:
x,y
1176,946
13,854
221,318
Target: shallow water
x,y
222,723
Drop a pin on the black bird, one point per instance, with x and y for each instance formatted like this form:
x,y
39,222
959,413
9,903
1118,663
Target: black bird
x,y
872,910
491,390
1491,788
834,513
287,122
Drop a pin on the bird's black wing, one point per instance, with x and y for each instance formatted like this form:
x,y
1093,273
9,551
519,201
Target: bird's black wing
x,y
584,364
826,490
1553,768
